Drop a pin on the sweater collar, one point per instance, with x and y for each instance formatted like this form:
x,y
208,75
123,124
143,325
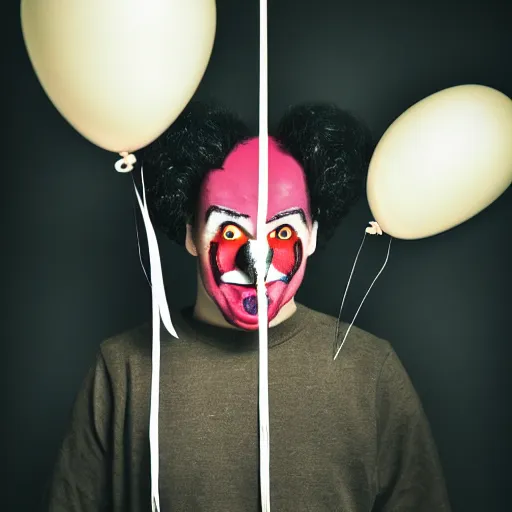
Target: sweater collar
x,y
189,328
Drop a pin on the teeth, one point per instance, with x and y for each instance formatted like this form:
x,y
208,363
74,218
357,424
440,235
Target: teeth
x,y
239,277
235,277
274,275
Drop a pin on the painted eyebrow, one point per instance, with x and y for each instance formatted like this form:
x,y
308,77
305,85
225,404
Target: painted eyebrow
x,y
287,213
227,211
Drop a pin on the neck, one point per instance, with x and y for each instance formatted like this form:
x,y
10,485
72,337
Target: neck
x,y
205,309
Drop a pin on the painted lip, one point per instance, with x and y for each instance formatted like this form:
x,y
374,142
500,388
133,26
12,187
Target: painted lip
x,y
247,317
240,298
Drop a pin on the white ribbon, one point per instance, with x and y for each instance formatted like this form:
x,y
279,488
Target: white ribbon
x,y
160,312
261,265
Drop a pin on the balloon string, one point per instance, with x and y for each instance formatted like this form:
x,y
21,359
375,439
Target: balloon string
x,y
139,246
154,261
264,427
373,230
154,406
345,296
160,313
137,226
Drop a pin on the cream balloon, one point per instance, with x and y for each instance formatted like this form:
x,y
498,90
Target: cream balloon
x,y
441,162
120,71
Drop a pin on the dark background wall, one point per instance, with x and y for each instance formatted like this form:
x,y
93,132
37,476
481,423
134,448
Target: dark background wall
x,y
71,270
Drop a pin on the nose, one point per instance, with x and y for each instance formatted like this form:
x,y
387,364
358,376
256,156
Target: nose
x,y
245,260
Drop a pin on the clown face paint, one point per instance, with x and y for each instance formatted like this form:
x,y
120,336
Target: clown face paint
x,y
227,233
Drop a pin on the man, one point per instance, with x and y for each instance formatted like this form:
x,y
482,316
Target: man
x,y
347,435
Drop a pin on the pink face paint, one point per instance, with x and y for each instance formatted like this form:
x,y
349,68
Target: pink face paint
x,y
227,223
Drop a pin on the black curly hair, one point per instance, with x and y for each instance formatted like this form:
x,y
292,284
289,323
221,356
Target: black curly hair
x,y
175,164
334,149
331,145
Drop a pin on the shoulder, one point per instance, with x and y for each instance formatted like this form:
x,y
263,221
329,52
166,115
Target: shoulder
x,y
127,348
360,347
369,359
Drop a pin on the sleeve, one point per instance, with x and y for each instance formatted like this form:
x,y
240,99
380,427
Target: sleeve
x,y
81,478
409,473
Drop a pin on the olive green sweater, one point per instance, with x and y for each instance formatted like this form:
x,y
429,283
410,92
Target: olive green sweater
x,y
348,435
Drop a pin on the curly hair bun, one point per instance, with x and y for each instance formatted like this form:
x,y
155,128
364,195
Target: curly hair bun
x,y
334,148
176,163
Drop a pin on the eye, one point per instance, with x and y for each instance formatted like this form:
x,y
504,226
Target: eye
x,y
231,232
284,233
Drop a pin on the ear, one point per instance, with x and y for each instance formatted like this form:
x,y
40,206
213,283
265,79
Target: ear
x,y
313,239
190,244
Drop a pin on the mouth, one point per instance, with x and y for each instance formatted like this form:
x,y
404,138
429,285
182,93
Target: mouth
x,y
241,278
239,284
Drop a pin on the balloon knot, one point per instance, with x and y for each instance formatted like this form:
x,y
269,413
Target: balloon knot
x,y
374,228
126,163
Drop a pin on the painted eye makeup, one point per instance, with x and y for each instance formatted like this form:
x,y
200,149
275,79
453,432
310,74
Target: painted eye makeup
x,y
231,232
284,232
